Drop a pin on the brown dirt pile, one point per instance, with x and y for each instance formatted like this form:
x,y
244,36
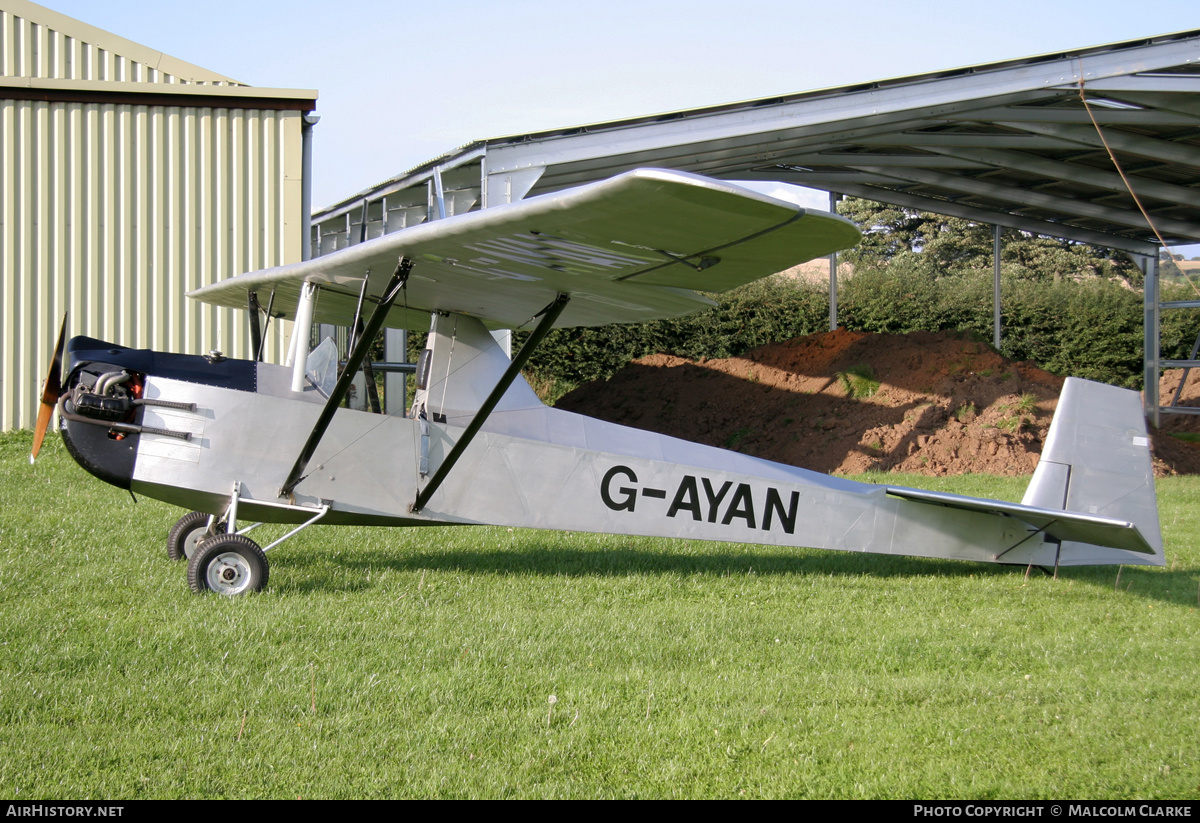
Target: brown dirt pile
x,y
944,405
1178,457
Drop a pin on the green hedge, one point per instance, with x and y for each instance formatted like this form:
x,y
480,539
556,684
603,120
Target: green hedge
x,y
1089,328
759,313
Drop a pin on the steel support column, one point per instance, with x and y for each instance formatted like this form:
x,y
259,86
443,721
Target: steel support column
x,y
395,384
996,287
437,207
306,128
833,260
1152,317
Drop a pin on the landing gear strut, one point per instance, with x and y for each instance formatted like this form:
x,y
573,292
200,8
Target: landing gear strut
x,y
220,558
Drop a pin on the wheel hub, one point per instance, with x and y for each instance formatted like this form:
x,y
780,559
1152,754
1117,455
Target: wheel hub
x,y
228,573
192,540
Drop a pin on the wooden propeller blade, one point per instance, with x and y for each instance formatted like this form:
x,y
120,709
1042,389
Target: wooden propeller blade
x,y
51,389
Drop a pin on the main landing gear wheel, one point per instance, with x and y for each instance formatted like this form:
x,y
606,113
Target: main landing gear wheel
x,y
186,534
228,564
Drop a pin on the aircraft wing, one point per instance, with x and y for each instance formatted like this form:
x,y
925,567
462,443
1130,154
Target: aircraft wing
x,y
635,247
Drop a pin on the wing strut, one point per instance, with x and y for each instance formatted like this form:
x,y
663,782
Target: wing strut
x,y
255,322
361,347
356,328
549,315
258,355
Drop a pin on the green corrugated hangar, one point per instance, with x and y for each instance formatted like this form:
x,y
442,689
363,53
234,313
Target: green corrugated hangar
x,y
127,179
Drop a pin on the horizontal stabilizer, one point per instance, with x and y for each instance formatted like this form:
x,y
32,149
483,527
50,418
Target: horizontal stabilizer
x,y
1064,525
1093,489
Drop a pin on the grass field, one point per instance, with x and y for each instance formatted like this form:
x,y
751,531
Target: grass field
x,y
483,662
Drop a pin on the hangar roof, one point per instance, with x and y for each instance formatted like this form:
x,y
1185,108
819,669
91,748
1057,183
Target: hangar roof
x,y
1011,143
48,56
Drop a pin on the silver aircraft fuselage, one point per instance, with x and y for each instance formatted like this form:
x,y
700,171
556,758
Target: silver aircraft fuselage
x,y
539,467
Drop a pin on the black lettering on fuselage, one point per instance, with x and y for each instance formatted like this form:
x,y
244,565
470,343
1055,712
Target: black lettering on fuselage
x,y
687,498
628,496
775,505
714,500
742,505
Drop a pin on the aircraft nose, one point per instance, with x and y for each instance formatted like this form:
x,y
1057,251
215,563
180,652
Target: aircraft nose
x,y
104,390
110,458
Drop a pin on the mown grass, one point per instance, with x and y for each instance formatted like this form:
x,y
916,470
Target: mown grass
x,y
421,663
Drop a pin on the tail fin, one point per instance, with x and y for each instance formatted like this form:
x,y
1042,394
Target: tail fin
x,y
1097,461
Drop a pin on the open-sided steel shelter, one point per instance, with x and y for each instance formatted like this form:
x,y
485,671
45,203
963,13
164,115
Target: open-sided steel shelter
x,y
1010,143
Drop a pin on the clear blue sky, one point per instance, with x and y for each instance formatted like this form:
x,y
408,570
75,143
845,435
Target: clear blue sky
x,y
401,82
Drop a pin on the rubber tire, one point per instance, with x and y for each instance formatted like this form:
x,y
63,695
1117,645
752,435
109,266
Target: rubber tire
x,y
228,564
187,533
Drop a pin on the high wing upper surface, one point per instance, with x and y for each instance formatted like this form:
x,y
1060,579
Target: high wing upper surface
x,y
635,247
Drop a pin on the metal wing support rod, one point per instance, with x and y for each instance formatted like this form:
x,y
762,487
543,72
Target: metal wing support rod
x,y
361,347
549,315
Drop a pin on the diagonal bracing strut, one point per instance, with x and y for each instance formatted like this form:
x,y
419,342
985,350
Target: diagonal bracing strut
x,y
549,315
361,347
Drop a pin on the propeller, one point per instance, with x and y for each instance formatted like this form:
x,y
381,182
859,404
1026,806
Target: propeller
x,y
51,390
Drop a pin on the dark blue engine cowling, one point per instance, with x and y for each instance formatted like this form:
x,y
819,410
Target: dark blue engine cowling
x,y
111,455
240,375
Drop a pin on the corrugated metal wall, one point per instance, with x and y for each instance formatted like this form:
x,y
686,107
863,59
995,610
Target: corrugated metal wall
x,y
114,211
39,42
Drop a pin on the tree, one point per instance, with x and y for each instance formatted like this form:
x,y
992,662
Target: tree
x,y
942,245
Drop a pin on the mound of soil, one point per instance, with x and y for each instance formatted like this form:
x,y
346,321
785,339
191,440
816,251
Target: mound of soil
x,y
928,402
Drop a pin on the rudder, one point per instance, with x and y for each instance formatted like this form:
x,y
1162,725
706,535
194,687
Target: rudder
x,y
1096,460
